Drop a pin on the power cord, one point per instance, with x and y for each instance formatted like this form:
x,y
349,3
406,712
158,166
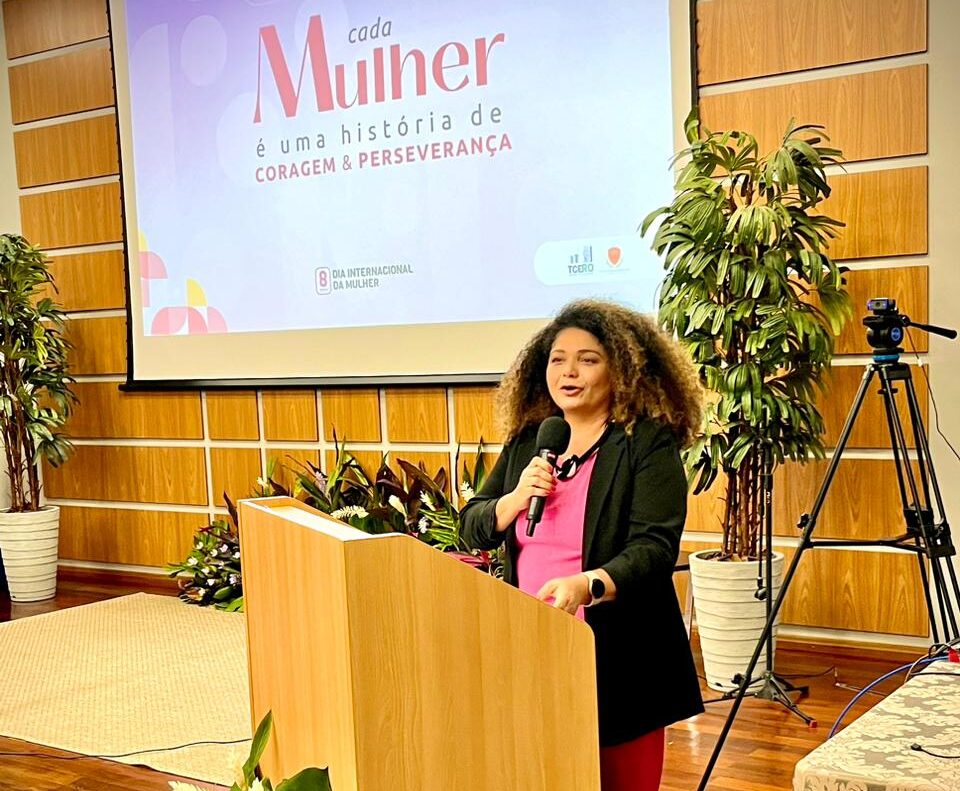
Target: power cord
x,y
118,755
909,666
933,400
921,749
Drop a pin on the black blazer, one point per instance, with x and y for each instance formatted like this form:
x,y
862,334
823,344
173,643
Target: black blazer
x,y
636,507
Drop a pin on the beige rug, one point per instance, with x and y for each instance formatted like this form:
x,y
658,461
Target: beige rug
x,y
133,673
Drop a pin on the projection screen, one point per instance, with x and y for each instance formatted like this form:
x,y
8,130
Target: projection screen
x,y
358,191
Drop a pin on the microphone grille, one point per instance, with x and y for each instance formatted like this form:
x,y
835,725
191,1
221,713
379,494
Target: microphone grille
x,y
553,435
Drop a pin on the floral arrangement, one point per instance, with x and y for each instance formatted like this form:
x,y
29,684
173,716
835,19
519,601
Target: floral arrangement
x,y
410,502
210,574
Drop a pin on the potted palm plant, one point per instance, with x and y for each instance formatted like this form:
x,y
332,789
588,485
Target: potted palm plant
x,y
751,291
35,399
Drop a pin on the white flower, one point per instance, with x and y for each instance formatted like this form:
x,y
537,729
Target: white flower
x,y
236,555
347,511
224,548
233,579
207,570
262,483
191,561
211,583
426,500
198,545
423,524
466,491
395,502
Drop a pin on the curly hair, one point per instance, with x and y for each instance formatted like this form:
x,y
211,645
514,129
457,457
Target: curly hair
x,y
651,375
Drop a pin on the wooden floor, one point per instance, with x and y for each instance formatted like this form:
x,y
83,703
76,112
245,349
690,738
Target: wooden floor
x,y
761,751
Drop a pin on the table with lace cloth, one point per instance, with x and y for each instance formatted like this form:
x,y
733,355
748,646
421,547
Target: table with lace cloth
x,y
874,753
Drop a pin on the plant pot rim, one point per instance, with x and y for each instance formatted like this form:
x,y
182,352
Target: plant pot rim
x,y
40,510
698,555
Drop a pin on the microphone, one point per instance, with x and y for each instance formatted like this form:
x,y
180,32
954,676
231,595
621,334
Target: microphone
x,y
552,440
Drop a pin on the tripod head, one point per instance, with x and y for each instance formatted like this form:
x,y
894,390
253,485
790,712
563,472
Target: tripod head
x,y
886,328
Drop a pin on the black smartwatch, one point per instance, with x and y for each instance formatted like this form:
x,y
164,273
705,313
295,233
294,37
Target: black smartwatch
x,y
597,588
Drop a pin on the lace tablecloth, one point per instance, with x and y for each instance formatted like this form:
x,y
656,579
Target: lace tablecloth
x,y
874,753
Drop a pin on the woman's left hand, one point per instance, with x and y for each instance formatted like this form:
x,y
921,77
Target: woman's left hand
x,y
568,593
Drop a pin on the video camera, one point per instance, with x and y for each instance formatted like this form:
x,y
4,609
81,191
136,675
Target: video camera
x,y
886,327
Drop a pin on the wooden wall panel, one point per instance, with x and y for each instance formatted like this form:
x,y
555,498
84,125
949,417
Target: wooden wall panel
x,y
232,414
907,284
749,38
234,471
38,25
885,212
72,217
369,460
88,281
100,345
705,511
132,537
75,150
106,411
863,501
417,415
860,591
290,415
70,83
130,474
353,414
867,116
870,429
474,415
288,463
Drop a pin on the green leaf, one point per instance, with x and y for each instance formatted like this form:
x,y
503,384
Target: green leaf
x,y
257,746
311,779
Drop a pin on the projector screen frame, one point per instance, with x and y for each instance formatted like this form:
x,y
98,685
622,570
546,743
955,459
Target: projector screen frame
x,y
682,16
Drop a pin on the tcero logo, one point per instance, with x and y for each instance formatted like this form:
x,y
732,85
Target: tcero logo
x,y
452,67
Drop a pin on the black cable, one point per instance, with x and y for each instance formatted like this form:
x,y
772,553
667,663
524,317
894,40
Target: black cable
x,y
933,400
808,675
921,749
118,755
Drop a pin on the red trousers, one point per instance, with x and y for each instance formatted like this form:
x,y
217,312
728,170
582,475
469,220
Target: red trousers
x,y
633,766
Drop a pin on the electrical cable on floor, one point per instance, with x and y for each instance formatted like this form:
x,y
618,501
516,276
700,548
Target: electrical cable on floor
x,y
118,755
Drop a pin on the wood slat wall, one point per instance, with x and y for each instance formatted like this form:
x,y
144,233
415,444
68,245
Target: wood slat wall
x,y
69,83
89,281
83,149
738,39
73,217
871,112
64,22
850,108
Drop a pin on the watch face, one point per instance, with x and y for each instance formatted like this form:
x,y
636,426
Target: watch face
x,y
597,588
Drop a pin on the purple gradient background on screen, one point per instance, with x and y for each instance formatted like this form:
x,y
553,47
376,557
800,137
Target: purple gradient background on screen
x,y
584,92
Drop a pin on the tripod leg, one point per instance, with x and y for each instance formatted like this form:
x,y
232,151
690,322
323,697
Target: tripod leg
x,y
808,522
940,548
911,503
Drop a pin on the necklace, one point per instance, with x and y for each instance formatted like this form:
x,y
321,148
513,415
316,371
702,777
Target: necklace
x,y
569,468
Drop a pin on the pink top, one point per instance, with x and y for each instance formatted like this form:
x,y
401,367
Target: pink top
x,y
556,547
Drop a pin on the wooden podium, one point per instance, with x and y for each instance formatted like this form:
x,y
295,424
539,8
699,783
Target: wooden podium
x,y
403,669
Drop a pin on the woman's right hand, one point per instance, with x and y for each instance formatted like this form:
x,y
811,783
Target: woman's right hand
x,y
536,480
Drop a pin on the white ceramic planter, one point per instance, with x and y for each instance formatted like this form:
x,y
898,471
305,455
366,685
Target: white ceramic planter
x,y
28,543
730,618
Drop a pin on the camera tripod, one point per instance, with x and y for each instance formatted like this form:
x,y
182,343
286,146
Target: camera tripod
x,y
927,531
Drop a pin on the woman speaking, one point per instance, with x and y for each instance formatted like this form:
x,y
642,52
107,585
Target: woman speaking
x,y
614,504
